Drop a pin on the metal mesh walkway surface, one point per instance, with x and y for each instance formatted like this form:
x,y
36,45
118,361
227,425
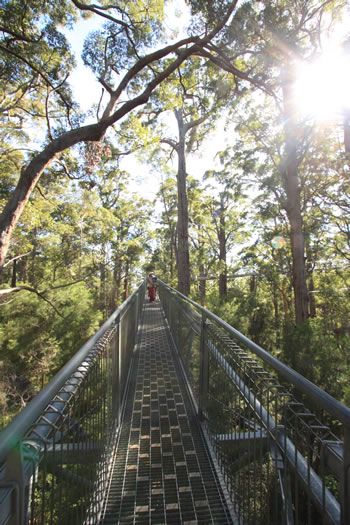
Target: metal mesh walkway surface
x,y
162,470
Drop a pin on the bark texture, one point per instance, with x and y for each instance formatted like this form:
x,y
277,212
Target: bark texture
x,y
347,131
183,258
94,132
293,207
222,252
31,174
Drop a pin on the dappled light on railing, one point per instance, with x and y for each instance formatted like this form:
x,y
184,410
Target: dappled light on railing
x,y
281,443
55,456
281,463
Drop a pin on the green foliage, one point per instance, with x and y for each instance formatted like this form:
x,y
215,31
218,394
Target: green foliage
x,y
34,55
33,348
84,239
35,342
311,347
78,247
115,47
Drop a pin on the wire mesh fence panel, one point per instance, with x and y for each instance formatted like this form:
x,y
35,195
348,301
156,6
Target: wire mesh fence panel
x,y
280,441
185,333
55,456
68,480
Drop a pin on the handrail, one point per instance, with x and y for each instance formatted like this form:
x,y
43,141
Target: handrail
x,y
13,433
293,456
237,398
319,396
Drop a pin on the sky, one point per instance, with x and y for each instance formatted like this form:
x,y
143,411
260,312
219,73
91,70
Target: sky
x,y
87,91
143,180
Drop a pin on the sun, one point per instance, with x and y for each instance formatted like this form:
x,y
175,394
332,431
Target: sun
x,y
322,88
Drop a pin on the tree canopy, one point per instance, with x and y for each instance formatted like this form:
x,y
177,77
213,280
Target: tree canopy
x,y
258,231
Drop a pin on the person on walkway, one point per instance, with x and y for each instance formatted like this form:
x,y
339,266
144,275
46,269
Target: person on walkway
x,y
152,286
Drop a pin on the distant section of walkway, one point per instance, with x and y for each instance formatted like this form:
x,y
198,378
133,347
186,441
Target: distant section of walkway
x,y
162,472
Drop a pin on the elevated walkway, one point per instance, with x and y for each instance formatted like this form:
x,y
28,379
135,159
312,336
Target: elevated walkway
x,y
162,471
170,415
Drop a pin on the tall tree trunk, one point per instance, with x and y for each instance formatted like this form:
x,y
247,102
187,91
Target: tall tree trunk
x,y
113,304
285,301
14,274
202,282
347,131
171,266
126,281
252,284
290,173
173,253
183,265
222,252
102,301
33,256
118,278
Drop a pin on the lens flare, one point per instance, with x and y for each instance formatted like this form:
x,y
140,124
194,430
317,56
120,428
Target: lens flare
x,y
278,242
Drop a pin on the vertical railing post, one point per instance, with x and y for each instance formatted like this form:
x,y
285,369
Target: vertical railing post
x,y
170,315
136,314
116,373
14,476
203,370
120,365
345,497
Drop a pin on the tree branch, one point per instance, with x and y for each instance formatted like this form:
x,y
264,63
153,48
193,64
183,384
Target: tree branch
x,y
170,142
141,64
16,289
224,63
194,123
32,290
94,132
34,68
17,257
96,9
17,36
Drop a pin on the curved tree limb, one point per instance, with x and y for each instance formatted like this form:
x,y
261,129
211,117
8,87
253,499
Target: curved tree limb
x,y
170,142
17,257
95,132
224,63
16,289
98,10
6,50
41,294
18,36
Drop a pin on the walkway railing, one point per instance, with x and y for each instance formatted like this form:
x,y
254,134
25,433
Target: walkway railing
x,y
282,464
54,456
